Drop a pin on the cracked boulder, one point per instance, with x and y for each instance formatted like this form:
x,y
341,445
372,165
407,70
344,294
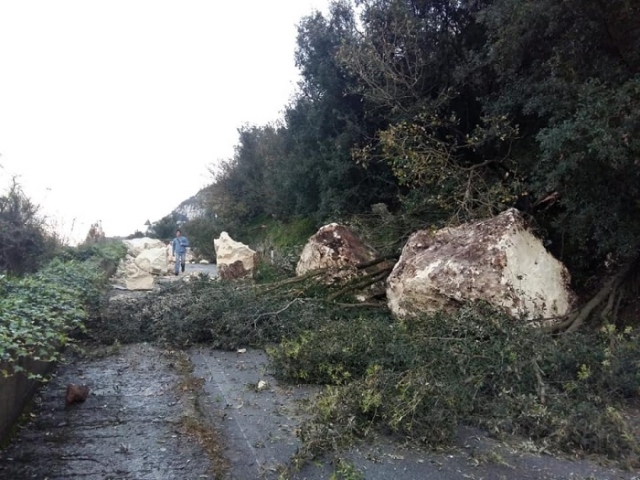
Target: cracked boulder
x,y
498,260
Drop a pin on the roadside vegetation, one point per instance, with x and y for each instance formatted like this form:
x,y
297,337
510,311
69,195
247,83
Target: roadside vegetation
x,y
424,114
25,244
47,290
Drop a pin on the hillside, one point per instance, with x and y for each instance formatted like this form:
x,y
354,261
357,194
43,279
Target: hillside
x,y
191,208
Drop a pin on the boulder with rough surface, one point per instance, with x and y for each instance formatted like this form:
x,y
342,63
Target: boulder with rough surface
x,y
137,279
498,260
154,260
342,257
76,393
333,246
235,260
146,258
135,246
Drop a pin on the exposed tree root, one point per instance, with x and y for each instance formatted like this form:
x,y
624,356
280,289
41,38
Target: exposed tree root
x,y
607,301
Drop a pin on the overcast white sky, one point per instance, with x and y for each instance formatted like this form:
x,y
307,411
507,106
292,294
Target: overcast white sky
x,y
113,110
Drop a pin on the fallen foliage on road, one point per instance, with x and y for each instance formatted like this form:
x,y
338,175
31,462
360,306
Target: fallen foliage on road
x,y
420,378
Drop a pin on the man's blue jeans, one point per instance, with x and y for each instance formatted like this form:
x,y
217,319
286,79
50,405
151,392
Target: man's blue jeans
x,y
181,259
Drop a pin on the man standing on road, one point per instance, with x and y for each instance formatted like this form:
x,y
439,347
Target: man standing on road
x,y
179,248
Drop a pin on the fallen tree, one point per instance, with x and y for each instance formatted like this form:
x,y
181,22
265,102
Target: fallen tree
x,y
419,379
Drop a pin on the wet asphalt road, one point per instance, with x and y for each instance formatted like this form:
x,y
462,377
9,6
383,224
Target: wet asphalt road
x,y
128,428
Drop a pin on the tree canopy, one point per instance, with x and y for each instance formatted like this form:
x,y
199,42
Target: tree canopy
x,y
453,110
24,242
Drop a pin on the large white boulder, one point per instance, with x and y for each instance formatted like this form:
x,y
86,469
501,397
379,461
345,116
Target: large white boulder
x,y
146,258
154,260
142,281
333,246
135,246
136,278
497,260
234,259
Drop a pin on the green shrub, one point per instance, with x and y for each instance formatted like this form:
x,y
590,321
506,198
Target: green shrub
x,y
24,243
430,375
273,267
38,312
109,250
35,319
292,233
336,352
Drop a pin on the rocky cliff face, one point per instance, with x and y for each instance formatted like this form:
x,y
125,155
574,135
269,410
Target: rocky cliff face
x,y
191,208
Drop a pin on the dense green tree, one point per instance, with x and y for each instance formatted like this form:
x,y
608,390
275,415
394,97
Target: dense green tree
x,y
567,72
201,231
244,187
326,121
446,154
453,110
165,228
305,165
487,101
24,243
